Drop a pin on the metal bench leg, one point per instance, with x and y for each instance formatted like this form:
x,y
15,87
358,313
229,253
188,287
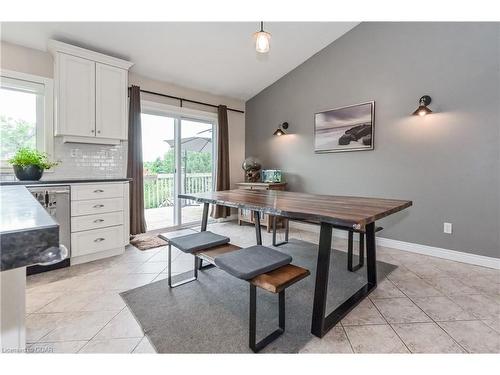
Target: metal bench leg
x,y
258,346
287,231
169,275
361,261
258,232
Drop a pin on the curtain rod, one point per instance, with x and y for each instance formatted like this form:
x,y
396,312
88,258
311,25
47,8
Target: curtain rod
x,y
188,100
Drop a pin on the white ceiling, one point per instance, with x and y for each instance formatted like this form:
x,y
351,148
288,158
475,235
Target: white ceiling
x,y
217,57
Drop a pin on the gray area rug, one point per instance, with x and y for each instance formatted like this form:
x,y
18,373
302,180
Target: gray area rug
x,y
211,315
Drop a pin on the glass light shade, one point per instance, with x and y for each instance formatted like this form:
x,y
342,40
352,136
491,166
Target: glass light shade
x,y
279,131
422,110
262,41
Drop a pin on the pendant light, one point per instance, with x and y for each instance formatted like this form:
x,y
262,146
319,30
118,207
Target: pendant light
x,y
262,39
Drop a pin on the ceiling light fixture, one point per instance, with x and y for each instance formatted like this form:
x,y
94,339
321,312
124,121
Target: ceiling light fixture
x,y
262,39
422,109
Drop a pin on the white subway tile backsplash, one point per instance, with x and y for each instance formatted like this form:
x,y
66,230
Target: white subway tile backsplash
x,y
81,160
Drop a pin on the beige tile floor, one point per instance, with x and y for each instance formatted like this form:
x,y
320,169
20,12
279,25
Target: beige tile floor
x,y
427,305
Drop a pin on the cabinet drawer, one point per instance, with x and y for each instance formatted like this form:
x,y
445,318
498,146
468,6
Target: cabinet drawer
x,y
93,241
96,191
96,206
86,222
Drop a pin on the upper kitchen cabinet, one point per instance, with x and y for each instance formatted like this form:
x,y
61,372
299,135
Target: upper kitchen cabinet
x,y
76,96
90,95
110,102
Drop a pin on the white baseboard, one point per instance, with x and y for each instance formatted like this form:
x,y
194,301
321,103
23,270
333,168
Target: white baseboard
x,y
458,256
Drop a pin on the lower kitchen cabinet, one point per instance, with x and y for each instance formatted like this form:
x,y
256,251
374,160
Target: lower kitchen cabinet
x,y
99,220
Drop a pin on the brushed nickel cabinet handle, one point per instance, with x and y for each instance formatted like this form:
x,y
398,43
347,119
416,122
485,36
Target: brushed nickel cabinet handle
x,y
98,206
98,191
100,239
98,220
92,131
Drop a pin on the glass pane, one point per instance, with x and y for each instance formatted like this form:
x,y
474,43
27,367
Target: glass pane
x,y
159,166
17,121
196,165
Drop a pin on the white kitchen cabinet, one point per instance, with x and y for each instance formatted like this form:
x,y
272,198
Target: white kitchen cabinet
x,y
111,101
99,220
91,95
75,96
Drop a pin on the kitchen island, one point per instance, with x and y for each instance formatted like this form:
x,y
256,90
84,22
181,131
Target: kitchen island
x,y
28,235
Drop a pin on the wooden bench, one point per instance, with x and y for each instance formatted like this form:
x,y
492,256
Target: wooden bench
x,y
275,281
350,239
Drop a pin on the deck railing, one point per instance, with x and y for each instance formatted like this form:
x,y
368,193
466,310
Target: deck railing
x,y
159,189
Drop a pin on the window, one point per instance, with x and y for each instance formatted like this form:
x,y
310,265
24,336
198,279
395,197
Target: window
x,y
26,108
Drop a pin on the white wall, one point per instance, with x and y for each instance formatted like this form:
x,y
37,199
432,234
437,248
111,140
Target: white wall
x,y
27,60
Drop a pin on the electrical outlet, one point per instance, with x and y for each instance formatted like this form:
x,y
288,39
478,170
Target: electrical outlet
x,y
74,152
447,228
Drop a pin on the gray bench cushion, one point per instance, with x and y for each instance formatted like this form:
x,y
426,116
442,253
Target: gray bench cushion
x,y
197,241
252,261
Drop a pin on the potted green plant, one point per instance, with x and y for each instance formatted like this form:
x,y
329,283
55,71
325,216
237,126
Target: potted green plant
x,y
29,164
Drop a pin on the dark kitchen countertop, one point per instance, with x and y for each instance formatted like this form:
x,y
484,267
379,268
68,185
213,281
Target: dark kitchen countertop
x,y
66,181
27,230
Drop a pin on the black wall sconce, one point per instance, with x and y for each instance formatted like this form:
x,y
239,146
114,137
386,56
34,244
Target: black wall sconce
x,y
422,109
281,129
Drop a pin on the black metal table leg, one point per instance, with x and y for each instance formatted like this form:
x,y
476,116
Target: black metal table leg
x,y
321,286
287,230
204,217
371,257
321,324
258,232
361,256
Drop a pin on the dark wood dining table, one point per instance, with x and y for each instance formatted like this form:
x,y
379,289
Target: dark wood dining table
x,y
346,212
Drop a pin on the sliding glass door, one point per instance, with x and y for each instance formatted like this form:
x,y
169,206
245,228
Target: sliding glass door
x,y
178,158
196,165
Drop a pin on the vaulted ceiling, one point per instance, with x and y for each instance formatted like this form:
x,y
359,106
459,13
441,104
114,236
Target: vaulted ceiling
x,y
217,57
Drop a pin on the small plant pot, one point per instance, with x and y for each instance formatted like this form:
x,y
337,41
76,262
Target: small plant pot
x,y
28,173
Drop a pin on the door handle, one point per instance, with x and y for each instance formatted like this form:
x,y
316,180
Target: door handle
x,y
98,206
98,191
100,239
98,220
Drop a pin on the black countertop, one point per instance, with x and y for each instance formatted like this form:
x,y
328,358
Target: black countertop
x,y
66,181
28,233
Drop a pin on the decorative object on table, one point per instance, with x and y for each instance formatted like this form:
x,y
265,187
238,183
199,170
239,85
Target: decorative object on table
x,y
146,241
29,164
422,109
252,167
281,129
247,216
348,128
271,175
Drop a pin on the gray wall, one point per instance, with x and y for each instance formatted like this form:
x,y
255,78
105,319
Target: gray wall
x,y
447,163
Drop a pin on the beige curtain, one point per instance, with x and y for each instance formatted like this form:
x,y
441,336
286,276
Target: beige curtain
x,y
134,165
222,170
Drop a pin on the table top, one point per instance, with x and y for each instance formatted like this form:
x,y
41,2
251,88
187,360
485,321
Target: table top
x,y
346,211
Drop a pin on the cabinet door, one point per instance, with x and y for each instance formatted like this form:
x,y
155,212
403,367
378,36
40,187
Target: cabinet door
x,y
76,96
111,102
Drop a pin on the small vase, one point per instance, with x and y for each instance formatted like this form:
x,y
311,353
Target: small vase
x,y
28,173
